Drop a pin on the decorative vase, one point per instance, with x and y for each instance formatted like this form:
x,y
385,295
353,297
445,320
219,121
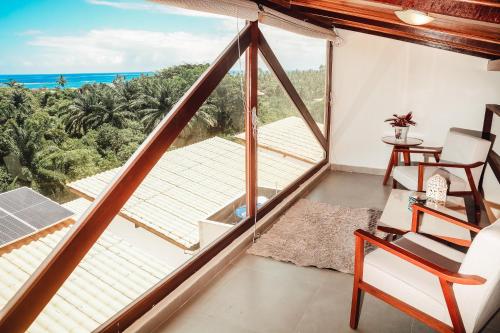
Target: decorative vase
x,y
401,133
436,189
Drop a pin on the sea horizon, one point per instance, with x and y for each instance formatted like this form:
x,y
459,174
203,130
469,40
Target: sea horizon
x,y
74,80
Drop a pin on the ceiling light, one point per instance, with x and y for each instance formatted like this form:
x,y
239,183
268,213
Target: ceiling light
x,y
413,17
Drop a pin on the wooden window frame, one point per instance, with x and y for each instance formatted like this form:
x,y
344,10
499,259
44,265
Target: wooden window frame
x,y
19,313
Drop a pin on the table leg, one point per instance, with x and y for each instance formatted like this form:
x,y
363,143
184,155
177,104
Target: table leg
x,y
406,156
389,167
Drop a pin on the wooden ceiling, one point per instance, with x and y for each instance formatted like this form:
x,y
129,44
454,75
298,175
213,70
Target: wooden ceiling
x,y
465,26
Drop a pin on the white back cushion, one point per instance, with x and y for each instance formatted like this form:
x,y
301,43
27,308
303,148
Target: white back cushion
x,y
478,303
465,149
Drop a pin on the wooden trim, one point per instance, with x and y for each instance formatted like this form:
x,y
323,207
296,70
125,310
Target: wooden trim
x,y
426,265
409,151
145,302
493,65
30,300
274,65
406,308
451,304
466,167
328,95
251,77
452,165
419,208
359,256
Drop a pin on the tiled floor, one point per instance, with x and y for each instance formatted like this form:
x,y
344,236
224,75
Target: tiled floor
x,y
257,294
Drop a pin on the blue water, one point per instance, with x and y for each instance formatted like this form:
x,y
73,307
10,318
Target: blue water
x,y
36,81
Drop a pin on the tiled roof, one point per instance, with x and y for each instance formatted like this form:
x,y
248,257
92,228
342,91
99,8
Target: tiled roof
x,y
110,276
292,137
191,183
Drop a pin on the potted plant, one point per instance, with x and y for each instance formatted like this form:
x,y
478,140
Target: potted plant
x,y
401,124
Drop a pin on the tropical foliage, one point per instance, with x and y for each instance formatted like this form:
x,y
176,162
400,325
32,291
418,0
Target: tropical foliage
x,y
49,137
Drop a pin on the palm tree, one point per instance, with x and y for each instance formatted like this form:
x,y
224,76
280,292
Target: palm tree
x,y
93,106
76,116
154,102
113,109
126,92
61,82
156,99
13,83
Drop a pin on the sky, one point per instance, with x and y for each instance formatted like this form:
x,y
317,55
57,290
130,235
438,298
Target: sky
x,y
91,36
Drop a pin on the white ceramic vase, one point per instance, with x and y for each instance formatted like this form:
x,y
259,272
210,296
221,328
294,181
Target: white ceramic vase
x,y
401,133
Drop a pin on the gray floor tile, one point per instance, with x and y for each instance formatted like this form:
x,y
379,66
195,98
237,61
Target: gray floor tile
x,y
330,312
261,295
189,322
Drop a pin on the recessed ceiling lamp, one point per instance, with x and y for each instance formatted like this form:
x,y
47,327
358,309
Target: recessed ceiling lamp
x,y
413,17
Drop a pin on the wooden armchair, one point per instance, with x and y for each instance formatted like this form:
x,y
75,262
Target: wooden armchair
x,y
460,161
446,289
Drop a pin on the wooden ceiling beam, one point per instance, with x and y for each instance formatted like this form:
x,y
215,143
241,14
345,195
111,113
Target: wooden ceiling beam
x,y
407,37
387,25
485,11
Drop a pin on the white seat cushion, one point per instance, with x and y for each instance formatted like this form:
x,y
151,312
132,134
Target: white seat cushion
x,y
408,282
408,177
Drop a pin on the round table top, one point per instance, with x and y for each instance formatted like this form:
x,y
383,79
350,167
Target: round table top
x,y
409,142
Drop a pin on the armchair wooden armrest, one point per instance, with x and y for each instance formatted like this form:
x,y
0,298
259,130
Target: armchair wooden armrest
x,y
451,164
467,168
421,150
419,208
440,272
435,151
412,151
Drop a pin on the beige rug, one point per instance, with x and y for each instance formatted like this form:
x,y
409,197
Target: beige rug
x,y
316,234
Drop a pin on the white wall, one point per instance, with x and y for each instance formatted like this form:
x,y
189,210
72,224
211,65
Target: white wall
x,y
374,77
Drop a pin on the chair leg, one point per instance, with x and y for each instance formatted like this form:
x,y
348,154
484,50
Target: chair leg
x,y
477,211
394,183
357,295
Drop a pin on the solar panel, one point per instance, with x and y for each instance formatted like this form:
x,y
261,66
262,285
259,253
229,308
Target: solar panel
x,y
12,229
24,211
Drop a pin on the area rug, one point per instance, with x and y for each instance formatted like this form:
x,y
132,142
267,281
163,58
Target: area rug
x,y
317,234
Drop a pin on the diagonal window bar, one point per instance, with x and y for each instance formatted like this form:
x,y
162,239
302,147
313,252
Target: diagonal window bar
x,y
34,295
273,64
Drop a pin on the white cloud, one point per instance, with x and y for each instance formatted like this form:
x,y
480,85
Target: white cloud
x,y
116,50
152,7
124,50
295,51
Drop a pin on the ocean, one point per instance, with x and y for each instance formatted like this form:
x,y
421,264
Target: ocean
x,y
76,80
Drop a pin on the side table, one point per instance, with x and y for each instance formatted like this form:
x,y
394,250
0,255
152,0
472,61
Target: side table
x,y
399,144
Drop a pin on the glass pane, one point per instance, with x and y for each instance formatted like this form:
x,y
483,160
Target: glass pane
x,y
286,146
62,142
304,59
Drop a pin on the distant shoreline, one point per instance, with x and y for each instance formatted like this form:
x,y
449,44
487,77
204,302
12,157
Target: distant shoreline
x,y
73,80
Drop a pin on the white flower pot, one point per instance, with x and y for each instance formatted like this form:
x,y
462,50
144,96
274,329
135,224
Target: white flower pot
x,y
401,133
